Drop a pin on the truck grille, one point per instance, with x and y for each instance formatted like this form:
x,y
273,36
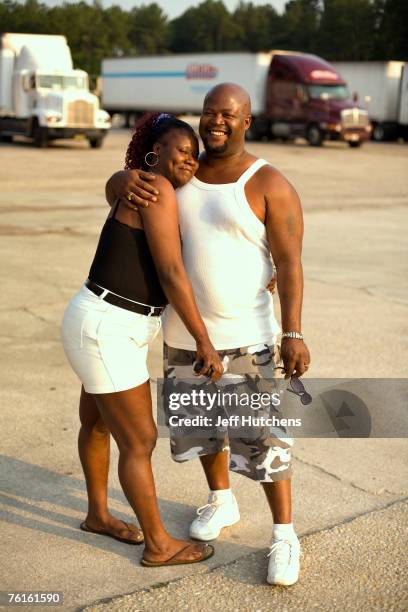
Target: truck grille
x,y
354,118
80,113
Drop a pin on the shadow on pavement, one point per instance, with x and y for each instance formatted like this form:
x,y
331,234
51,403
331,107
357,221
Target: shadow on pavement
x,y
37,498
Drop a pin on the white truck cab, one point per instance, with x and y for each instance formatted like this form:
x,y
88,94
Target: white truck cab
x,y
42,96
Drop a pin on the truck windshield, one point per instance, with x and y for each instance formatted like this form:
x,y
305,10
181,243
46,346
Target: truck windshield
x,y
328,92
52,81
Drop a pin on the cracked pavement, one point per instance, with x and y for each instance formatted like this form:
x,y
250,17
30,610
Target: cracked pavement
x,y
330,557
349,495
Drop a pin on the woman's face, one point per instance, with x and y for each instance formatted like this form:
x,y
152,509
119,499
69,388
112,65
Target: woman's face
x,y
178,157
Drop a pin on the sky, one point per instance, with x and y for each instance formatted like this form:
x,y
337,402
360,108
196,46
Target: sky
x,y
172,8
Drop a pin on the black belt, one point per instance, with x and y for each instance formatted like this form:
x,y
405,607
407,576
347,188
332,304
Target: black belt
x,y
117,300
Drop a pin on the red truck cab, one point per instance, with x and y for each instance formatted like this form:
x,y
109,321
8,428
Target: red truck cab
x,y
306,97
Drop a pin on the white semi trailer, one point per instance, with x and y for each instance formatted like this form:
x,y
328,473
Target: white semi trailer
x,y
293,94
383,88
42,96
178,83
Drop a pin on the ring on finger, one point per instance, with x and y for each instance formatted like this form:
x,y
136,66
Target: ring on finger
x,y
129,196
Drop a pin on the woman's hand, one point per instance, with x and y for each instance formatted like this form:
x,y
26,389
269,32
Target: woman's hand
x,y
133,187
209,360
271,286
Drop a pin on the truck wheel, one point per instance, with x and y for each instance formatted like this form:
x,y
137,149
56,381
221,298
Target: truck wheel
x,y
252,133
96,143
258,130
379,133
40,136
385,132
354,144
6,138
315,136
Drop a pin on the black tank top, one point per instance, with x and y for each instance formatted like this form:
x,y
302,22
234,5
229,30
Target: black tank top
x,y
124,265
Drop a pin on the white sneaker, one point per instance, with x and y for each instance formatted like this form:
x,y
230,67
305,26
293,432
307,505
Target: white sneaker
x,y
283,566
213,517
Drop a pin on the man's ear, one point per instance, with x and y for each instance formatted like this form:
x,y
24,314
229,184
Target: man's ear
x,y
248,121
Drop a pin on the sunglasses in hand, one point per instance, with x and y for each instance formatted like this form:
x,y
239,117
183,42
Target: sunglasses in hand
x,y
297,387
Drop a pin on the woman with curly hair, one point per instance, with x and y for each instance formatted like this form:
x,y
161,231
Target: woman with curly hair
x,y
108,326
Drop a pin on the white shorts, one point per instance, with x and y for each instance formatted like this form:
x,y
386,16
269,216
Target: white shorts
x,y
106,345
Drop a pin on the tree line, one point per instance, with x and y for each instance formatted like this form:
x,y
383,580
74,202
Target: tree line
x,y
334,29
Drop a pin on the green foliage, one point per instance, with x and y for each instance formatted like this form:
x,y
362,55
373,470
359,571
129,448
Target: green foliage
x,y
393,28
260,27
83,25
149,32
334,29
351,24
301,25
207,27
28,17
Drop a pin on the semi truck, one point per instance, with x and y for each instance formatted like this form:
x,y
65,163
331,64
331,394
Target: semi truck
x,y
293,94
383,88
42,96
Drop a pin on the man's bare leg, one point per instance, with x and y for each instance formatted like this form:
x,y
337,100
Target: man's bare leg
x,y
94,453
216,470
283,565
222,509
279,496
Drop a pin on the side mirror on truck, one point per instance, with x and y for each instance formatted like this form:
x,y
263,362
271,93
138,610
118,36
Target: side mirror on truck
x,y
26,82
301,94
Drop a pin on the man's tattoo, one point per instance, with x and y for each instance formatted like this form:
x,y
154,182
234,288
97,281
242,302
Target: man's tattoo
x,y
291,224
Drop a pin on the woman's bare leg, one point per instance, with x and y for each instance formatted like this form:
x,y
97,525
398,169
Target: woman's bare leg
x,y
94,453
128,415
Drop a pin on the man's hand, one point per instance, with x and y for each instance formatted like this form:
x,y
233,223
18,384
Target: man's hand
x,y
208,361
132,187
295,356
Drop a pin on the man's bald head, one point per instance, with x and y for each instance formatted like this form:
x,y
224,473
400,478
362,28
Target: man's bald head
x,y
231,91
225,118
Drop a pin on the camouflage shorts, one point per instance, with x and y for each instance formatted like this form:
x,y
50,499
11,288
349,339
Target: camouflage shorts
x,y
265,454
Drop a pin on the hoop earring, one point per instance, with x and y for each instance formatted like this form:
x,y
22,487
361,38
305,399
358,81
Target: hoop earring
x,y
147,159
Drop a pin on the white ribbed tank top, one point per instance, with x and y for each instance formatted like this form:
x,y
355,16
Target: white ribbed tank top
x,y
228,260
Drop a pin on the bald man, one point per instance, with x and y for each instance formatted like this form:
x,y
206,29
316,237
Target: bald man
x,y
238,217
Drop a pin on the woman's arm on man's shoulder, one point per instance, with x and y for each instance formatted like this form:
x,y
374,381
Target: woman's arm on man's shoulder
x,y
135,182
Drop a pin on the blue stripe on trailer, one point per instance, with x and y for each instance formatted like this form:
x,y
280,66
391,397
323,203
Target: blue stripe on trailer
x,y
137,75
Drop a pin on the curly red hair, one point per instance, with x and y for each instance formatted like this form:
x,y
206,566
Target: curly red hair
x,y
136,150
148,130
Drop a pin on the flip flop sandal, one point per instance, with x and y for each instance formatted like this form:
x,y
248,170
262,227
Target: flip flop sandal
x,y
208,552
85,527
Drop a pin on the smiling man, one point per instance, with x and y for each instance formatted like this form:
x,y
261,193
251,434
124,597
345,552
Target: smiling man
x,y
238,216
